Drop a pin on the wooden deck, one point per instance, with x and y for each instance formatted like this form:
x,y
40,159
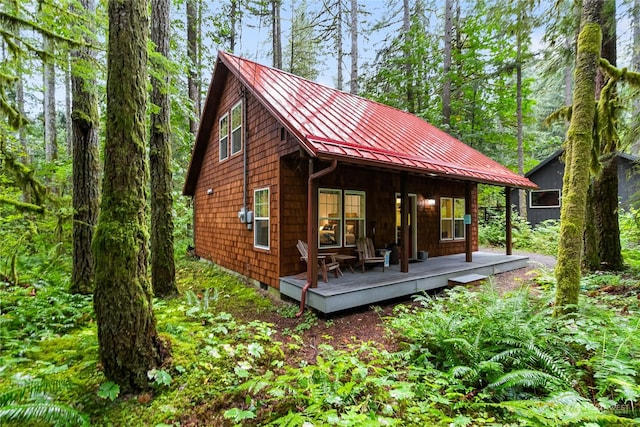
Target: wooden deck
x,y
361,289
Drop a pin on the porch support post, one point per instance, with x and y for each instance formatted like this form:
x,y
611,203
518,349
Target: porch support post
x,y
404,224
312,229
467,227
507,220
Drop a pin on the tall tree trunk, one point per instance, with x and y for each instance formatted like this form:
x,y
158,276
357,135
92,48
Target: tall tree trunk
x,y
635,65
578,149
339,47
67,105
568,73
605,190
49,100
605,184
408,66
354,86
233,18
522,198
276,31
86,160
129,342
446,70
163,271
192,53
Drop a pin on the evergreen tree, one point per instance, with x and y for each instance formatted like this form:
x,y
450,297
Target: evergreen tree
x,y
86,156
577,156
129,343
163,271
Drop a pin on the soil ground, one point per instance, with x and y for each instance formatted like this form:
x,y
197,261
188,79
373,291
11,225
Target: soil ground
x,y
355,327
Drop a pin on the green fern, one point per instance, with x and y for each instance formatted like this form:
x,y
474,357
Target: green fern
x,y
52,413
524,378
561,409
23,404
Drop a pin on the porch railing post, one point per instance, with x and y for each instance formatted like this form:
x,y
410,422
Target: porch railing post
x,y
507,220
467,226
404,224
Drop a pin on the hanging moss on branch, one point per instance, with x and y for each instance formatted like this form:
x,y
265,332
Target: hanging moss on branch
x,y
22,206
578,149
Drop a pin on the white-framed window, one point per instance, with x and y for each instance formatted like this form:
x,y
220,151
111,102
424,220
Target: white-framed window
x,y
329,218
459,207
544,199
236,128
452,218
354,216
261,220
223,131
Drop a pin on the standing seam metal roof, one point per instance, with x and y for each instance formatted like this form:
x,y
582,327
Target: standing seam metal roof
x,y
335,124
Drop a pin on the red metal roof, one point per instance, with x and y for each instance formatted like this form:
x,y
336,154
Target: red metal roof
x,y
335,124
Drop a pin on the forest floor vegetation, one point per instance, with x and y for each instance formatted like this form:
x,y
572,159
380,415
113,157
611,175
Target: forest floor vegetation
x,y
485,355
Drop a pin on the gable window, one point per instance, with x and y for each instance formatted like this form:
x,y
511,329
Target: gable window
x,y
354,216
236,128
544,199
329,218
223,130
261,218
452,218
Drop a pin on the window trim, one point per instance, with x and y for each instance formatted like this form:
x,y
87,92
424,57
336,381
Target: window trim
x,y
453,219
363,194
220,137
457,219
257,218
232,129
547,190
339,217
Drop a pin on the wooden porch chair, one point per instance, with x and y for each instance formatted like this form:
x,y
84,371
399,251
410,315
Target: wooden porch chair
x,y
367,253
324,265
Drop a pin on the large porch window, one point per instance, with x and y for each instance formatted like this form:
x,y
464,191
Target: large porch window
x,y
354,216
329,218
452,212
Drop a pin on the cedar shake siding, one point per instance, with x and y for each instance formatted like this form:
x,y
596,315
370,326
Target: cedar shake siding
x,y
218,233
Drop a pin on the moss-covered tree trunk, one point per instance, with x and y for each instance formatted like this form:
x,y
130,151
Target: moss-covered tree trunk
x,y
129,343
86,160
163,270
577,156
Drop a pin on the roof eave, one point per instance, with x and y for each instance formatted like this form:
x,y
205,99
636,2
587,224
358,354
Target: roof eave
x,y
426,172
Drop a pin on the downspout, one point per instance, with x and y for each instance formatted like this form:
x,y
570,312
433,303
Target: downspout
x,y
245,148
312,254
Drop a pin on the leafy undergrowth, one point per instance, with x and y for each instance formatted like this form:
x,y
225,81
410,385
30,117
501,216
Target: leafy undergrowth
x,y
464,357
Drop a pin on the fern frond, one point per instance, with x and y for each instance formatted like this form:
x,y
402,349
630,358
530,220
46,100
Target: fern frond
x,y
463,372
20,393
562,409
48,412
526,378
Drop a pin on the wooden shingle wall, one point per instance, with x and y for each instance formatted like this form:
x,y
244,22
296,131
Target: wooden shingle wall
x,y
219,235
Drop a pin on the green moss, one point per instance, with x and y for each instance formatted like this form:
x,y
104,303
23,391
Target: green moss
x,y
576,178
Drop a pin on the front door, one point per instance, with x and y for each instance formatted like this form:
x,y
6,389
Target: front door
x,y
412,223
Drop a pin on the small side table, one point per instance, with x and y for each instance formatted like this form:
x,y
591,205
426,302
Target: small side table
x,y
346,260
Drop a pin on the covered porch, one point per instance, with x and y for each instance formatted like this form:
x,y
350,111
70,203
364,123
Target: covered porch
x,y
361,289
